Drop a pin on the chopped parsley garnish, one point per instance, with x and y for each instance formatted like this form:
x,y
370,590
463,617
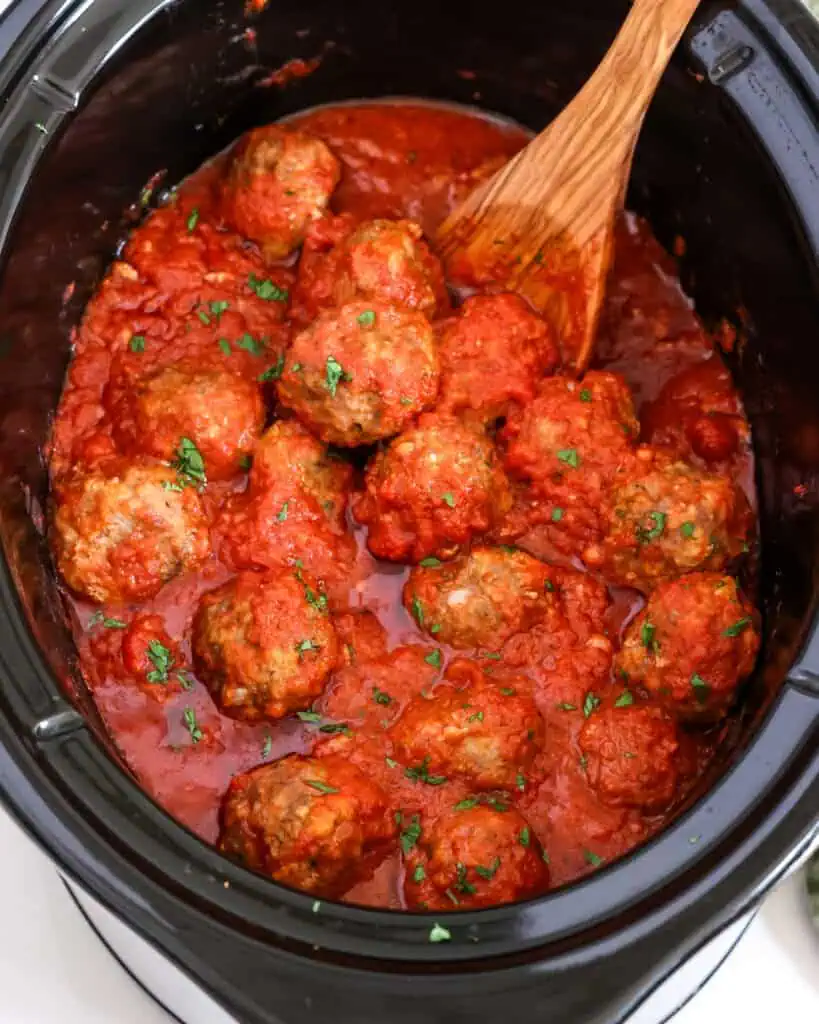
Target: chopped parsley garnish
x,y
267,747
430,563
185,680
701,686
161,659
418,612
390,763
496,804
648,637
687,529
658,519
488,873
219,307
524,836
569,457
189,717
321,787
273,372
367,318
438,933
303,646
563,706
282,514
625,700
193,219
250,344
435,628
421,774
410,834
467,805
585,395
334,727
447,499
224,345
738,627
265,289
557,514
295,368
507,691
477,717
491,655
520,781
434,658
309,716
169,485
592,858
419,874
203,316
590,704
317,601
189,464
381,697
335,374
113,623
462,885
137,343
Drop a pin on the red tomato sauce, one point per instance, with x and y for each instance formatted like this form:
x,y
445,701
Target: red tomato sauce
x,y
414,161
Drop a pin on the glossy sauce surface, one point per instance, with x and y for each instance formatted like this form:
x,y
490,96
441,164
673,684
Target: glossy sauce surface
x,y
410,161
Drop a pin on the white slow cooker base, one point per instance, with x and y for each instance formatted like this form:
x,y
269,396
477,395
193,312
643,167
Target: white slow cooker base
x,y
181,997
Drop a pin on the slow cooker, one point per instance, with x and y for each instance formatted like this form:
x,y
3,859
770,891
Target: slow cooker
x,y
100,95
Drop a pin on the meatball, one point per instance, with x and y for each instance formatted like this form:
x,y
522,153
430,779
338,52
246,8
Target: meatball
x,y
279,181
434,489
293,510
317,824
692,644
664,519
486,733
379,259
479,599
264,644
475,856
568,445
631,755
220,413
494,354
125,529
360,373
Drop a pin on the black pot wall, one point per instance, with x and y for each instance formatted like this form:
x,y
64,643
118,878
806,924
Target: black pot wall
x,y
729,164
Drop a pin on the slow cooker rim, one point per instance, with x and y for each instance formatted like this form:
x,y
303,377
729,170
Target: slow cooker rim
x,y
34,753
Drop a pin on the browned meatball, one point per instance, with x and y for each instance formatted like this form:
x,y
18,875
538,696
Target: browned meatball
x,y
631,755
485,732
360,373
475,856
317,824
264,644
494,354
122,531
693,643
385,260
434,489
279,180
665,518
479,599
220,413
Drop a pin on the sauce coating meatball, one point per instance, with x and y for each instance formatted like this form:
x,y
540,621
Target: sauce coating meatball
x,y
479,599
220,412
494,354
692,644
315,824
664,519
475,856
264,644
360,373
434,489
569,443
485,732
293,510
631,755
279,181
387,260
125,529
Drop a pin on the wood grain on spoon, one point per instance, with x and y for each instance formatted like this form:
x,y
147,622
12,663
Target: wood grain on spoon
x,y
543,226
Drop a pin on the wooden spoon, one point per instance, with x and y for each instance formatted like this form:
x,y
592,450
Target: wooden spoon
x,y
543,226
